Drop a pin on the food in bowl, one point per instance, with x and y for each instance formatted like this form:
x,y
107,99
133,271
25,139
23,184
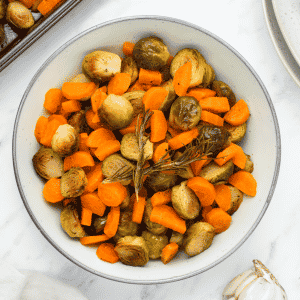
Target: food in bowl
x,y
151,166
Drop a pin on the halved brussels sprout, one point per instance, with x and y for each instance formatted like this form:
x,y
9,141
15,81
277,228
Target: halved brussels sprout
x,y
132,250
126,225
99,223
136,100
155,243
70,222
177,238
101,65
150,53
73,183
65,141
161,181
168,85
236,199
78,121
117,111
129,66
199,237
214,173
48,164
237,133
224,90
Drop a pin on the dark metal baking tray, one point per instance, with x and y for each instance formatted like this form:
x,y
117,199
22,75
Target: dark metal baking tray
x,y
24,39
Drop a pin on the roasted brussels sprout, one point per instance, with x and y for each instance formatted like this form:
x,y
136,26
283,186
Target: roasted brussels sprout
x,y
214,173
19,15
155,243
161,181
129,147
224,90
199,237
129,66
73,183
65,141
2,9
115,163
185,201
198,64
136,100
132,250
177,238
237,133
48,164
209,76
168,85
99,223
126,225
70,222
101,65
150,53
151,226
218,137
236,200
78,121
117,111
185,113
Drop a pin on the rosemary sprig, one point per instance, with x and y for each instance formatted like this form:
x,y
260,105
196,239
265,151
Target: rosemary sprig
x,y
124,173
141,140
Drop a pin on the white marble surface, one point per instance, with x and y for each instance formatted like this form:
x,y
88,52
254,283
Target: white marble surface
x,y
276,240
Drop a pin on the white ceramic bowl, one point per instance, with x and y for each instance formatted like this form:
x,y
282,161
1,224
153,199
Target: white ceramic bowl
x,y
262,142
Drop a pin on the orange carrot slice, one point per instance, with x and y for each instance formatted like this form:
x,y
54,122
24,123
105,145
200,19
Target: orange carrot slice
x,y
51,191
182,79
112,222
244,181
211,118
238,114
158,125
223,196
183,138
106,252
92,202
219,219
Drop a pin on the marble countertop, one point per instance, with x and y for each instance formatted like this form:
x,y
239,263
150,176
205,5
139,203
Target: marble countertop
x,y
275,241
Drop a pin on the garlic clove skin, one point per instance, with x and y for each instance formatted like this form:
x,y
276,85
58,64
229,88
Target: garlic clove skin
x,y
253,284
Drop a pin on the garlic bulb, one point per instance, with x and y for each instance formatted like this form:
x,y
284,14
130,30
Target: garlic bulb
x,y
253,284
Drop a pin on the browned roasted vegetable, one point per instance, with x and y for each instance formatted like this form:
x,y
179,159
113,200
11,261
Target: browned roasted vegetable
x,y
155,243
70,222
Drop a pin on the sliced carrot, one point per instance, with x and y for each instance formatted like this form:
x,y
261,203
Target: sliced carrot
x,y
92,202
71,106
204,190
131,127
78,90
112,222
205,211
158,126
165,215
53,99
199,164
200,93
59,118
86,217
112,194
219,219
89,240
240,158
128,48
51,191
50,130
89,116
154,97
232,152
183,138
169,252
27,3
103,89
99,136
94,177
106,252
107,148
215,104
137,86
182,79
150,77
211,118
40,127
78,159
119,84
244,181
223,196
47,6
238,114
161,198
138,208
97,99
160,151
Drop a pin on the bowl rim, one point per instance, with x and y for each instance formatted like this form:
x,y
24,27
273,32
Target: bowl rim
x,y
180,22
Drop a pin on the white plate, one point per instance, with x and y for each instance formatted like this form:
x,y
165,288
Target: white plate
x,y
279,42
287,13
